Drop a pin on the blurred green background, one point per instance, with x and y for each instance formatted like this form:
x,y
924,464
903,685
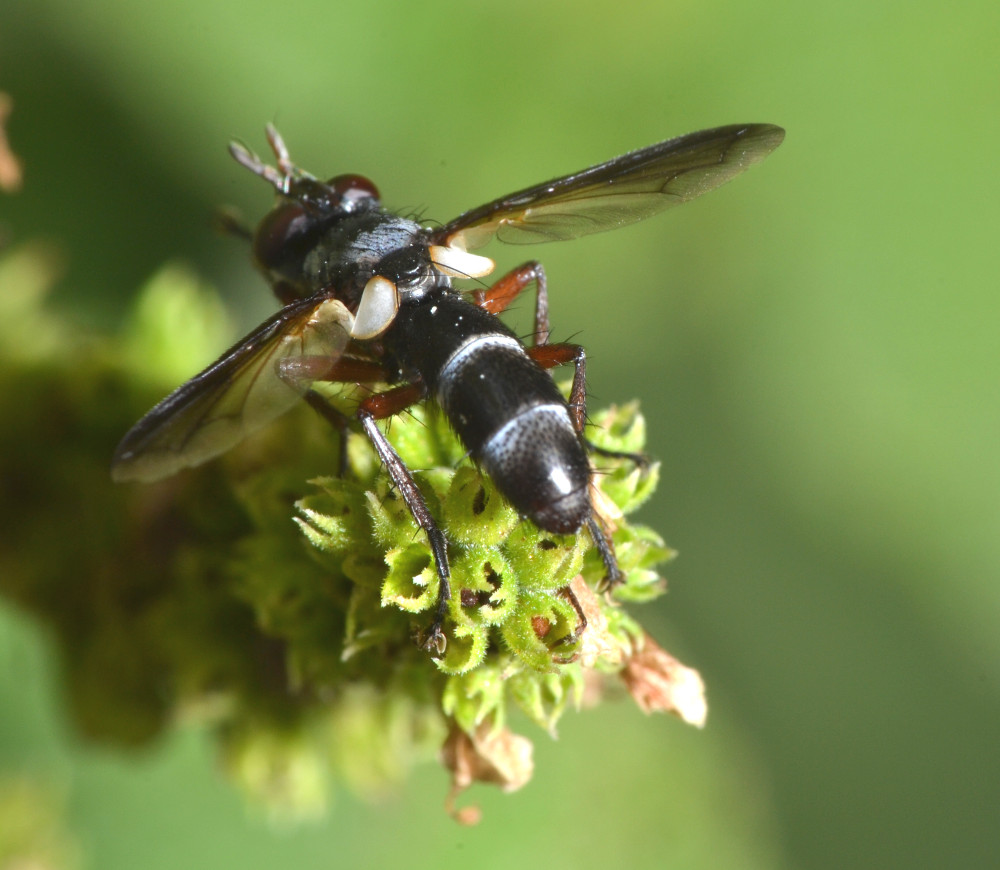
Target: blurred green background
x,y
815,346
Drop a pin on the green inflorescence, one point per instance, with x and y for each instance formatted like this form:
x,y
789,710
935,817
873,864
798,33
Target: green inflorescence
x,y
276,601
507,574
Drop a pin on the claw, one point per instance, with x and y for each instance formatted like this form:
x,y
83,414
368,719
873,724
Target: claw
x,y
432,640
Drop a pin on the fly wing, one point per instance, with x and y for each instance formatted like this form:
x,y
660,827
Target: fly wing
x,y
238,394
624,190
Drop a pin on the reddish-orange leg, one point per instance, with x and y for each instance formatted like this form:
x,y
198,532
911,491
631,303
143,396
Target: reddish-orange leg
x,y
511,285
496,300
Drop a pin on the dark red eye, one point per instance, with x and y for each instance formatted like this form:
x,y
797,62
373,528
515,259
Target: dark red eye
x,y
282,236
353,188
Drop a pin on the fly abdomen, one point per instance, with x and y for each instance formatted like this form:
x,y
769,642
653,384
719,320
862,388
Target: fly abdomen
x,y
537,462
516,424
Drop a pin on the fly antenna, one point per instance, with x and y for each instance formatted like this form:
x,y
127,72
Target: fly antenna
x,y
247,159
281,178
285,165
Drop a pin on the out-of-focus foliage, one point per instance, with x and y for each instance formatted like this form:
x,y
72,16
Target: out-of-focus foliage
x,y
32,829
814,348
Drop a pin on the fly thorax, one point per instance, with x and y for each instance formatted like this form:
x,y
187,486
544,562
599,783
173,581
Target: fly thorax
x,y
405,277
412,272
351,250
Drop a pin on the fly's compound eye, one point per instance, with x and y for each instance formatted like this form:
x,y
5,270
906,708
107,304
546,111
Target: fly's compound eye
x,y
288,232
377,309
353,190
283,237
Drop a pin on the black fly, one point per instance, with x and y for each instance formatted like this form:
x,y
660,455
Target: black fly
x,y
368,299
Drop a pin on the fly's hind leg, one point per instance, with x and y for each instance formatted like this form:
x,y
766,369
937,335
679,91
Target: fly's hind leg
x,y
640,459
549,356
496,300
510,286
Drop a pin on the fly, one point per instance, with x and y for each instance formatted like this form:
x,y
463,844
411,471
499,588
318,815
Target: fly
x,y
367,298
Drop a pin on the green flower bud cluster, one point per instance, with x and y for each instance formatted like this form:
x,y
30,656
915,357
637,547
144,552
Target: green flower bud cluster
x,y
276,602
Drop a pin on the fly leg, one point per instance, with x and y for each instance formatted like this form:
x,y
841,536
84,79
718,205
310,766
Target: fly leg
x,y
510,286
496,300
335,418
299,371
378,407
231,222
640,459
581,623
549,356
499,297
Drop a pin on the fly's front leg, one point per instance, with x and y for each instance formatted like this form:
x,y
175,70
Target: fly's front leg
x,y
511,285
378,407
231,222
